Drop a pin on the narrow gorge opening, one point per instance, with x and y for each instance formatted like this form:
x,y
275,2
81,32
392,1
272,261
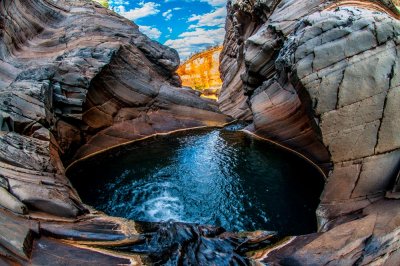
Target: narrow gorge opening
x,y
200,72
221,177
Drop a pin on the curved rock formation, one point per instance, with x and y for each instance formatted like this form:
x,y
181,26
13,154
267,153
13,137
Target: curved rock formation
x,y
76,79
201,72
322,78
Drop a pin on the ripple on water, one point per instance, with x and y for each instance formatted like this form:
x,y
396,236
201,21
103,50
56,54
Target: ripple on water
x,y
217,177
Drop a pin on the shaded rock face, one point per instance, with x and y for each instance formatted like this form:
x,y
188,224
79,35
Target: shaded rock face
x,y
321,78
173,243
98,239
76,79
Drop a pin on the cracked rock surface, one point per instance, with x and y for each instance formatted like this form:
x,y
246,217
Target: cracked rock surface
x,y
77,79
322,78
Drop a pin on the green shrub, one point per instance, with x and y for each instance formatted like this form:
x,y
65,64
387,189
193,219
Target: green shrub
x,y
103,3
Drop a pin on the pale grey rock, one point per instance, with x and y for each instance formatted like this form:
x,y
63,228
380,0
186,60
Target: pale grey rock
x,y
367,75
359,141
389,137
3,183
330,94
11,203
377,174
359,113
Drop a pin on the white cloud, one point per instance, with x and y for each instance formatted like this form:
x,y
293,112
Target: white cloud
x,y
144,10
167,14
205,30
196,40
214,18
151,32
215,2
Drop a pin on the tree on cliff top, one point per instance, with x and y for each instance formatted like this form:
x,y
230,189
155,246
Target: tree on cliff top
x,y
103,3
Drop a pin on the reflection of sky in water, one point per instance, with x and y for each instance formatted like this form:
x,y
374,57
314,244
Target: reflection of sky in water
x,y
214,177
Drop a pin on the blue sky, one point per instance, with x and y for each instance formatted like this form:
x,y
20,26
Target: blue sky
x,y
186,25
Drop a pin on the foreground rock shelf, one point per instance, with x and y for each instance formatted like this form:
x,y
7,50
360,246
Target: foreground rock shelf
x,y
320,77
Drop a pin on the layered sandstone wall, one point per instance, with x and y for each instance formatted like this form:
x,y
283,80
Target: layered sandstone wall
x,y
76,79
201,72
322,78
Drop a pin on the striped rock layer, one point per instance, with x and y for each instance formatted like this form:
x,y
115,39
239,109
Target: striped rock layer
x,y
77,79
317,76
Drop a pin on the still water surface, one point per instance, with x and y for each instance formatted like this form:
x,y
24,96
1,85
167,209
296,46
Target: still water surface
x,y
220,177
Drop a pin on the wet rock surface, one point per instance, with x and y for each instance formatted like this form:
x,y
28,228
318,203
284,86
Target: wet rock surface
x,y
187,244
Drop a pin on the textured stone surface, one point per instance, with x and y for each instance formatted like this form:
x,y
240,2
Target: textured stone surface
x,y
16,236
77,79
372,239
363,58
322,78
10,202
47,251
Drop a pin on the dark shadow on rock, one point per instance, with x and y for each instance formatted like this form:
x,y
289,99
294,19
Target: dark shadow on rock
x,y
174,243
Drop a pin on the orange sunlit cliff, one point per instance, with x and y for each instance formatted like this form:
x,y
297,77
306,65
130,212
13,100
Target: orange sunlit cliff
x,y
201,72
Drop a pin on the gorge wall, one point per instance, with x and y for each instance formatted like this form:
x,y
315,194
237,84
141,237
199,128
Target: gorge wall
x,y
322,78
77,79
201,72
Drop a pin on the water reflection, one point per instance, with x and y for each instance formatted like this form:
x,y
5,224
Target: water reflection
x,y
216,177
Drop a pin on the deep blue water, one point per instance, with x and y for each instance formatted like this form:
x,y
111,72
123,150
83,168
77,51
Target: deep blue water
x,y
217,177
